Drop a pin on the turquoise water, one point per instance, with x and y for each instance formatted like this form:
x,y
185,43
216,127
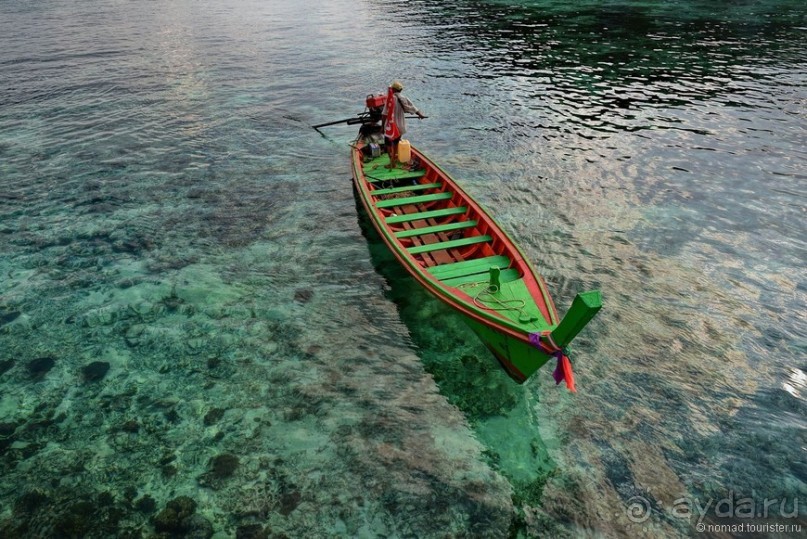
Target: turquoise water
x,y
200,337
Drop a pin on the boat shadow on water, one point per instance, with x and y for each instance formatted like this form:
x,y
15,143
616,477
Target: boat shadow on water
x,y
500,411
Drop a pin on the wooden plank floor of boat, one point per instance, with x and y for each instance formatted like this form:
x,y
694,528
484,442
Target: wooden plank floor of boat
x,y
434,258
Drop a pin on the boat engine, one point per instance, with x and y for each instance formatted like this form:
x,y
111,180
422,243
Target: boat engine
x,y
371,129
375,106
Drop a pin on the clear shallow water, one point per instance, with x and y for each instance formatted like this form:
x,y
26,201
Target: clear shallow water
x,y
166,211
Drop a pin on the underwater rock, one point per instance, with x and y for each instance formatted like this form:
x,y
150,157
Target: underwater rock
x,y
40,366
102,316
474,389
129,493
213,362
172,416
4,443
134,335
289,502
30,501
6,365
95,371
127,282
77,521
251,531
133,246
6,318
197,527
105,499
183,505
90,516
213,416
7,429
172,518
141,308
224,465
196,344
146,504
131,426
172,301
22,450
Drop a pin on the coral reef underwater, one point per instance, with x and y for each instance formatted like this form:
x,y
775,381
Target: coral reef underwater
x,y
152,389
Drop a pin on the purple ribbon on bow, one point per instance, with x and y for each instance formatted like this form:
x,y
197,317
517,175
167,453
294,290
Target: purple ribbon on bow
x,y
557,374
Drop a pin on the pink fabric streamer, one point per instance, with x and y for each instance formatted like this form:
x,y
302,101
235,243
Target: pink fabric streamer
x,y
563,369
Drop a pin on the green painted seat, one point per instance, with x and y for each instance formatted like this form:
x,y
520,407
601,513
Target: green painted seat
x,y
405,188
451,244
459,225
469,267
505,276
394,219
392,202
382,174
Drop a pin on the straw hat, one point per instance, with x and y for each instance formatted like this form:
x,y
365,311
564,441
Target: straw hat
x,y
396,85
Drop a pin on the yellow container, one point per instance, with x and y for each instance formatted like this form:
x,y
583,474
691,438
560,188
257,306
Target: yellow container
x,y
404,151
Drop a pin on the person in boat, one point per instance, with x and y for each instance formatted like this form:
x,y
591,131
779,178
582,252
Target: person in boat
x,y
394,119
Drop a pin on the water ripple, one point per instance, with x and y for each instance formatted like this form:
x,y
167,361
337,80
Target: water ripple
x,y
166,209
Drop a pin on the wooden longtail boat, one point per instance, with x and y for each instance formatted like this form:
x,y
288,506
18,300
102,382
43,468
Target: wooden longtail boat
x,y
455,250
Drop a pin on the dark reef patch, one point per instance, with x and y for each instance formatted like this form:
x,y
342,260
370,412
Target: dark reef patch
x,y
251,531
95,371
146,504
38,368
289,502
213,416
38,513
6,365
8,317
224,465
179,518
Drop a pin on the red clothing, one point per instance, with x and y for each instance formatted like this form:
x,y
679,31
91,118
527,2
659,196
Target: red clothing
x,y
391,130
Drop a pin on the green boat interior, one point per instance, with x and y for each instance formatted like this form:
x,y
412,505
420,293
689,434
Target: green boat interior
x,y
429,220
